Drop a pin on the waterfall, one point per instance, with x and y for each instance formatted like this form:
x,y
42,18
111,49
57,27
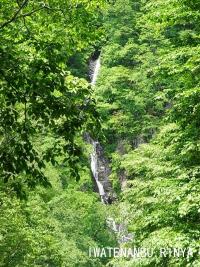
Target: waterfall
x,y
99,168
94,168
95,67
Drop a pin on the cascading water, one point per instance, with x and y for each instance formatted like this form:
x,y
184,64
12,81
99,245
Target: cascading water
x,y
94,168
97,66
98,162
99,168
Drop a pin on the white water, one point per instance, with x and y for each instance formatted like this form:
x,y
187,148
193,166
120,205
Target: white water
x,y
94,168
94,157
97,66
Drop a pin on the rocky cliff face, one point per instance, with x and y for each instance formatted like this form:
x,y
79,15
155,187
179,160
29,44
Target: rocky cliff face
x,y
103,173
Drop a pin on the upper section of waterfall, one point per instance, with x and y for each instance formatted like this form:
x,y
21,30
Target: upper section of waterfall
x,y
94,68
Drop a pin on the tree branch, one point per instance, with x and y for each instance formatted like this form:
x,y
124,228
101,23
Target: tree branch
x,y
15,16
31,12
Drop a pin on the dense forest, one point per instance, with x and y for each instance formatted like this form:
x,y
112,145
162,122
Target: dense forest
x,y
143,112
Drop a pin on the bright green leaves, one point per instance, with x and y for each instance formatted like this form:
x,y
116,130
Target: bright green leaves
x,y
162,196
38,92
57,232
149,81
44,112
187,108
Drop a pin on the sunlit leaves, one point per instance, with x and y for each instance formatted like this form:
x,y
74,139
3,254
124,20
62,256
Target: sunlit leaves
x,y
38,92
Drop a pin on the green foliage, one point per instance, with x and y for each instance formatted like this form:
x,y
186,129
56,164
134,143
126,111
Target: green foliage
x,y
46,107
55,233
38,94
149,87
129,103
163,199
147,96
